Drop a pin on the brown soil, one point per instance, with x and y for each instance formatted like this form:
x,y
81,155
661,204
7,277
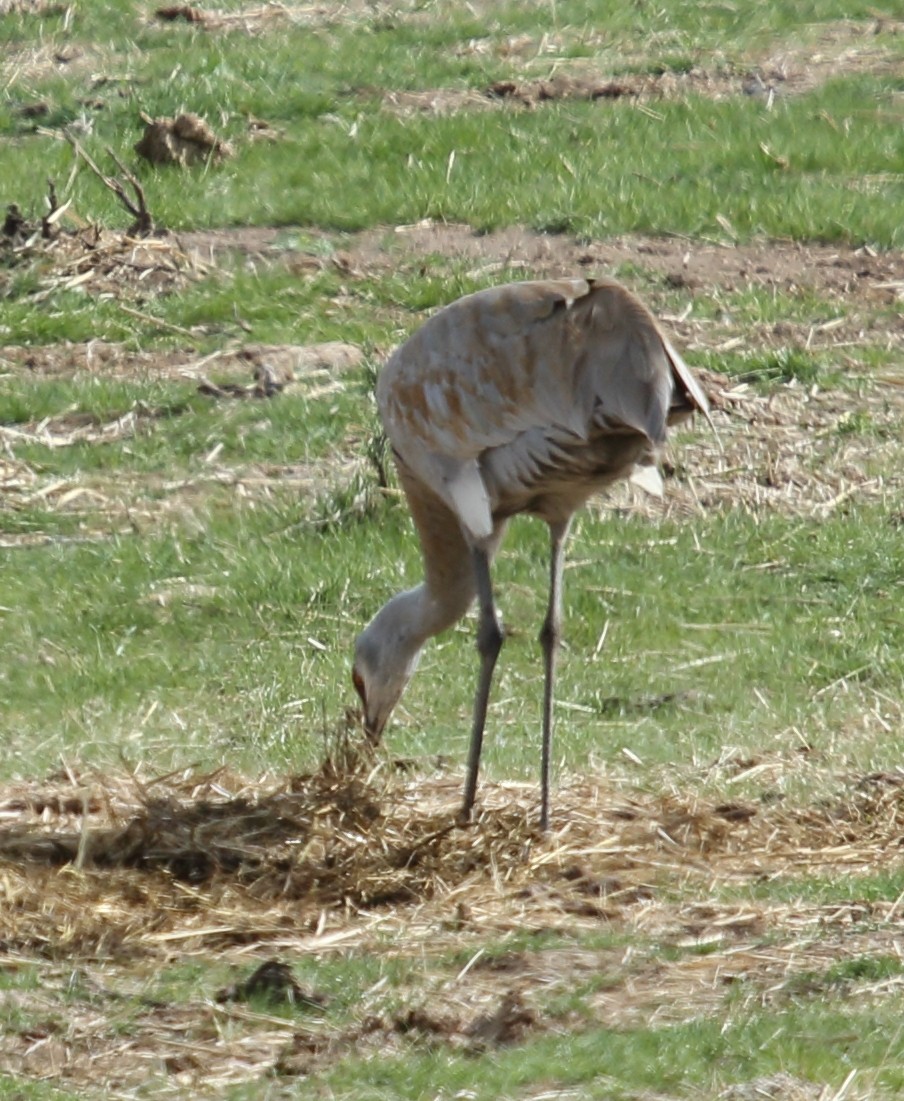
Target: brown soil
x,y
844,46
98,261
826,270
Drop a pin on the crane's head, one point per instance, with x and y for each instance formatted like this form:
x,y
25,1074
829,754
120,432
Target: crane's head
x,y
386,656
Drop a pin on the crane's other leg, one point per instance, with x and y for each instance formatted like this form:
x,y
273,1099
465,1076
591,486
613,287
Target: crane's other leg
x,y
550,637
489,643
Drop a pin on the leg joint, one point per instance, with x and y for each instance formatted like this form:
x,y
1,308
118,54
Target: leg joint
x,y
490,637
550,635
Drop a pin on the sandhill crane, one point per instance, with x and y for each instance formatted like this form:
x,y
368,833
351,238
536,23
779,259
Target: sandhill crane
x,y
524,398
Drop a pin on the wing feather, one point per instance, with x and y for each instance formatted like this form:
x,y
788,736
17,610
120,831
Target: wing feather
x,y
527,372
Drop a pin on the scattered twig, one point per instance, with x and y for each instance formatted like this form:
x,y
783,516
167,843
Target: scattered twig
x,y
143,226
54,212
151,320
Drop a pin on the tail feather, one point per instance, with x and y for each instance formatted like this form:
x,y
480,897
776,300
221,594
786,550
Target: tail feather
x,y
692,399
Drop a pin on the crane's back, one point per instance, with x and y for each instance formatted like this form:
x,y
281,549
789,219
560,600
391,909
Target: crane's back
x,y
523,389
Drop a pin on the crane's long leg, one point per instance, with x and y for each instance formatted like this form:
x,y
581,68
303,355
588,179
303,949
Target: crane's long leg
x,y
489,643
550,637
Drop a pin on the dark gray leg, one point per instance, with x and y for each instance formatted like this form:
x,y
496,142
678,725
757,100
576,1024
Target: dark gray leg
x,y
550,636
489,643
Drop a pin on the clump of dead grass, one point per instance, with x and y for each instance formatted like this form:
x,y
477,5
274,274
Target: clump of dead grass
x,y
184,140
63,252
795,449
98,863
95,260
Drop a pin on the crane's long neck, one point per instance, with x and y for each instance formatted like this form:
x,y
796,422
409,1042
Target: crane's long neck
x,y
416,615
387,650
390,645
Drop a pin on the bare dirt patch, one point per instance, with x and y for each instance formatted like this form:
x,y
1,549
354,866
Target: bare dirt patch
x,y
695,265
291,362
844,47
596,87
101,261
109,878
867,286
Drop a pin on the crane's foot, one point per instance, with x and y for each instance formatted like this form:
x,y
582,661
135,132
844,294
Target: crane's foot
x,y
465,816
544,816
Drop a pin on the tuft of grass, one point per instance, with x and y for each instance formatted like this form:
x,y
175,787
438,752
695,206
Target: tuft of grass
x,y
861,889
817,1045
864,969
781,365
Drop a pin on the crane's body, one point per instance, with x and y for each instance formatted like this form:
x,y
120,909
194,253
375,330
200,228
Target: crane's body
x,y
524,398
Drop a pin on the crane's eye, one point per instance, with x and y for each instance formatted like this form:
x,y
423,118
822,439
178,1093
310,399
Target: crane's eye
x,y
358,682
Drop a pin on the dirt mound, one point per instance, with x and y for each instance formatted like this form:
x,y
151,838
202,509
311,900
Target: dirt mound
x,y
183,140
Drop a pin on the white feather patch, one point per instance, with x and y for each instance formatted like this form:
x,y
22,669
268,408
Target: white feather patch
x,y
649,479
467,494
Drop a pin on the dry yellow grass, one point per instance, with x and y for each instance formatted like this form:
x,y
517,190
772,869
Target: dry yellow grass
x,y
117,875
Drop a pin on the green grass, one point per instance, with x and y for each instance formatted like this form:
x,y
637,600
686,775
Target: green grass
x,y
177,428
860,888
268,580
589,168
577,167
179,608
100,399
820,1044
14,1088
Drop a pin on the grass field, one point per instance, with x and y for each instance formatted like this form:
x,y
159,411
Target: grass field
x,y
197,516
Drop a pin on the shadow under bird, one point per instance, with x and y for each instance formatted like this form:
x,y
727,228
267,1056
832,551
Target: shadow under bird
x,y
524,398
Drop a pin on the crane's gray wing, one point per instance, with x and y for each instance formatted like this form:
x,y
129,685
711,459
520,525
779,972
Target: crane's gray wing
x,y
523,371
